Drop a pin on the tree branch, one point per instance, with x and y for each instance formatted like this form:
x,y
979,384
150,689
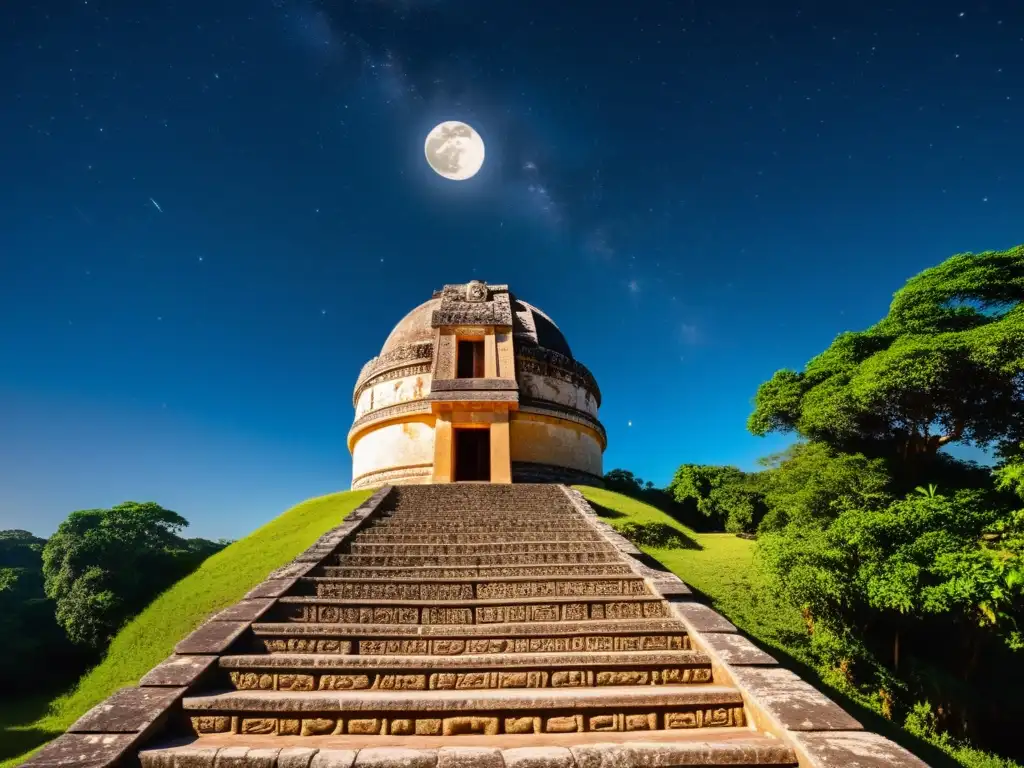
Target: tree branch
x,y
958,432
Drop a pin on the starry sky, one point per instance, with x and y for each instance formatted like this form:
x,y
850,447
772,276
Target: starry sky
x,y
214,212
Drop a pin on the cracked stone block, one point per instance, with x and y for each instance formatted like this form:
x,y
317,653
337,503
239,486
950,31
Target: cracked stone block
x,y
295,757
178,671
393,757
292,570
332,758
796,705
212,637
246,610
469,757
670,589
734,752
262,758
129,710
736,649
179,757
232,757
538,757
702,618
270,588
81,750
855,749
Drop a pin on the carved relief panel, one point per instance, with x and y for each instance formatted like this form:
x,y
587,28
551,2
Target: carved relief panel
x,y
444,355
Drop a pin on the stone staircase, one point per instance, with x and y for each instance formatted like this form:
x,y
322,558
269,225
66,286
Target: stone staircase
x,y
494,618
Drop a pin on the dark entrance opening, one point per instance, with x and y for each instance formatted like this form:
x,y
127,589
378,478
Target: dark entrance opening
x,y
469,360
472,455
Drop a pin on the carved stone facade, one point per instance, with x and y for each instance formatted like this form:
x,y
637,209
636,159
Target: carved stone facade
x,y
537,404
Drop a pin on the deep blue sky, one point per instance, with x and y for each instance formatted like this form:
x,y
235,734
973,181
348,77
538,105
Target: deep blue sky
x,y
699,193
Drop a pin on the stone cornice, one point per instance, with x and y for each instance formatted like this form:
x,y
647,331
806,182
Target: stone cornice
x,y
464,385
546,362
475,395
407,356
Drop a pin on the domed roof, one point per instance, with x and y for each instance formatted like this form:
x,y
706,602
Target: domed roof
x,y
530,327
413,328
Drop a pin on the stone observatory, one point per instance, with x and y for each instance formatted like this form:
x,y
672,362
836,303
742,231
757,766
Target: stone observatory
x,y
476,385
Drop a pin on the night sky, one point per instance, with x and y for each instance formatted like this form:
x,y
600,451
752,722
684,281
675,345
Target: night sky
x,y
212,214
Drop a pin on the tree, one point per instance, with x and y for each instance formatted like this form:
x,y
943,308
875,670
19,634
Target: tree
x,y
811,484
946,365
623,481
35,647
724,494
103,565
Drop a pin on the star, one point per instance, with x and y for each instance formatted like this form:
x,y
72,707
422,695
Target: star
x,y
629,423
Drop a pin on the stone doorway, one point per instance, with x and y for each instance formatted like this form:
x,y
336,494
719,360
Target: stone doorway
x,y
472,455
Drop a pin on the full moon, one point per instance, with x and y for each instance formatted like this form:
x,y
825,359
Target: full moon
x,y
454,150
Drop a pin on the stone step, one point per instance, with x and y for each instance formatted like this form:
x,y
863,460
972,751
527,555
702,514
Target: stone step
x,y
386,525
492,548
471,589
374,536
730,747
481,515
472,571
575,609
331,672
406,560
463,712
410,640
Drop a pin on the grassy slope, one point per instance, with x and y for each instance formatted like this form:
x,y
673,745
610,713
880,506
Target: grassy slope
x,y
722,567
150,637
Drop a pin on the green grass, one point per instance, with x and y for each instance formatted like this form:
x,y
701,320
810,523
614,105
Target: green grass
x,y
151,636
723,569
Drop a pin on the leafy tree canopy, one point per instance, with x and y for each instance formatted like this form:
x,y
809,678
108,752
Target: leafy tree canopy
x,y
35,649
945,365
955,556
624,481
721,493
104,565
812,484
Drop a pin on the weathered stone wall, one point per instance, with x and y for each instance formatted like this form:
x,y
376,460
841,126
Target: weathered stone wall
x,y
556,389
525,472
394,453
392,391
543,440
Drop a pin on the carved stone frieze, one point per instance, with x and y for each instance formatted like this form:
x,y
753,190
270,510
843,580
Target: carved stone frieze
x,y
467,395
462,680
421,472
460,385
474,303
444,357
488,723
390,375
390,412
408,355
546,362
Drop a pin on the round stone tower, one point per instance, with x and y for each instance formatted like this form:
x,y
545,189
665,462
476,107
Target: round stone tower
x,y
475,385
